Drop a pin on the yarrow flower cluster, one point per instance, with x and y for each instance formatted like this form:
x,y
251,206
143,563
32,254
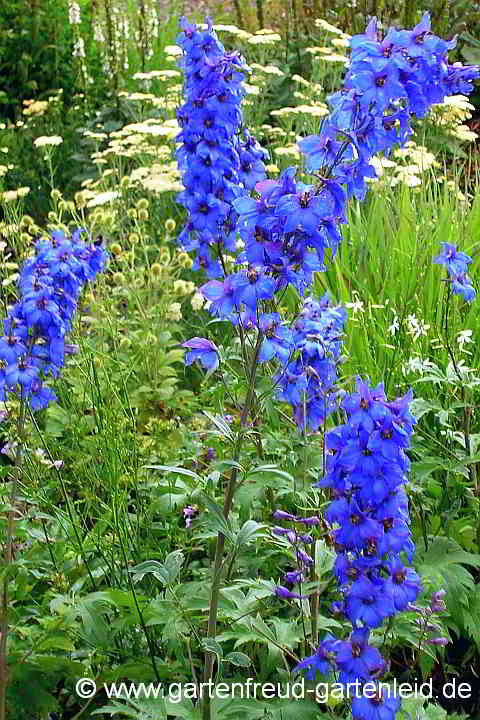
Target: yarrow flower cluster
x,y
457,263
33,345
366,471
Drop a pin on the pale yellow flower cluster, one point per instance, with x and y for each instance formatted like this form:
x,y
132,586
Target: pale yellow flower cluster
x,y
48,141
405,167
35,107
451,115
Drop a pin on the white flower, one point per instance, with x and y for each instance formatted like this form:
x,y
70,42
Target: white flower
x,y
12,195
416,327
463,338
78,48
321,23
173,50
392,329
417,365
45,140
98,35
356,306
74,13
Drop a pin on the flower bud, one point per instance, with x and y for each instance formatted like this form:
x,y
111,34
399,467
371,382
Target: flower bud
x,y
115,249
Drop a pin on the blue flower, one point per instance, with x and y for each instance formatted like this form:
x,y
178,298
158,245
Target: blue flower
x,y
367,602
356,659
222,296
462,285
455,261
278,341
321,660
379,707
202,350
404,584
252,286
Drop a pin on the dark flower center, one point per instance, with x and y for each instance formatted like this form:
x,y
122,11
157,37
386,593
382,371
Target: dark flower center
x,y
380,81
304,200
399,577
371,546
377,699
356,650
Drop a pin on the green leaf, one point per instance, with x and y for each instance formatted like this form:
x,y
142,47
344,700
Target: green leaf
x,y
213,646
272,470
174,469
172,564
249,531
222,426
150,566
238,658
216,520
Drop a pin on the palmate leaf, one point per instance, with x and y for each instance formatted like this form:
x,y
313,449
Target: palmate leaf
x,y
443,566
468,617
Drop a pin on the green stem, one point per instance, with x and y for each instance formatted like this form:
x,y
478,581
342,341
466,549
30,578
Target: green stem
x,y
8,559
220,544
260,20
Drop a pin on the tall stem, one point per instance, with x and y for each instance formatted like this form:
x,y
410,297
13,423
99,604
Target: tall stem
x,y
8,559
467,410
220,544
